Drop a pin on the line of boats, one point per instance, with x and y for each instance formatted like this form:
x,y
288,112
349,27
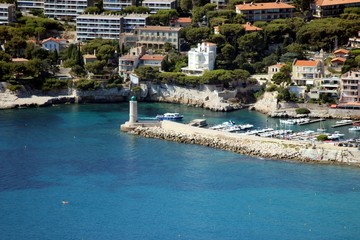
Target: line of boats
x,y
231,126
294,121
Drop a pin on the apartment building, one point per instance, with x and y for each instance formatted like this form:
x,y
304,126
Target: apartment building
x,y
265,11
330,8
329,86
117,5
220,4
152,37
65,9
350,87
90,26
305,72
7,14
355,41
156,5
28,5
200,59
132,21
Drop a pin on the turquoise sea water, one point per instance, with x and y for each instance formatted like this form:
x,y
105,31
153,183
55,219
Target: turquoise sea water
x,y
121,186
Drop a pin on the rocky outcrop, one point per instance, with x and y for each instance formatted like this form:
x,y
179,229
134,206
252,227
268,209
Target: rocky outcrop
x,y
102,95
251,145
205,96
267,104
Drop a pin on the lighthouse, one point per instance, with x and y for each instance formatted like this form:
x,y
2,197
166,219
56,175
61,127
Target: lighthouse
x,y
133,118
133,112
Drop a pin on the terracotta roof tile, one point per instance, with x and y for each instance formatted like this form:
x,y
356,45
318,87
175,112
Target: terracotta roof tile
x,y
334,2
341,50
183,20
249,27
263,6
210,44
338,59
306,63
156,57
20,60
58,40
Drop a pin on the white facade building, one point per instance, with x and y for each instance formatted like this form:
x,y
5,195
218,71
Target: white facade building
x,y
117,5
350,87
156,5
131,21
152,37
200,59
355,41
28,5
65,8
7,14
90,26
129,62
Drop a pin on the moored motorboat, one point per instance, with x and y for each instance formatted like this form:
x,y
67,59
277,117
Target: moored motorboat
x,y
344,121
355,128
170,116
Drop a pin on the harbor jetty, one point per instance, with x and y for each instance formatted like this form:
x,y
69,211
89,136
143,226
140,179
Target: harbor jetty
x,y
252,145
272,148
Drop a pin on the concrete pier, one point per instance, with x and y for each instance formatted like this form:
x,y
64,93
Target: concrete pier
x,y
304,151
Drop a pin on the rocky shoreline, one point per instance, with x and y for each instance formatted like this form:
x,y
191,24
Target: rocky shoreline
x,y
205,96
252,145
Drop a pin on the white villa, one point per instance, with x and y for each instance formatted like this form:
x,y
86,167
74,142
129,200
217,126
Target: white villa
x,y
200,59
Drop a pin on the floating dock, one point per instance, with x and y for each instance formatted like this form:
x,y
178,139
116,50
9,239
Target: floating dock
x,y
312,121
341,124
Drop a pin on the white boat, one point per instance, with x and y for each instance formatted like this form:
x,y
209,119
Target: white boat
x,y
321,128
344,121
169,116
223,125
287,121
356,128
294,121
337,133
245,126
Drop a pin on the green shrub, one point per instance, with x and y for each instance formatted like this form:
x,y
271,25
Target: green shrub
x,y
54,84
14,88
87,85
322,137
302,111
271,88
259,94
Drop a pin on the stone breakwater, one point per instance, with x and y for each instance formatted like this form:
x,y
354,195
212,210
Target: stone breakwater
x,y
252,145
